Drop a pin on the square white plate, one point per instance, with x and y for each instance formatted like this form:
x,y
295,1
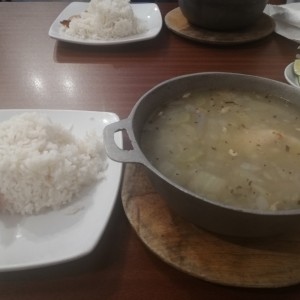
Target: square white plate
x,y
61,235
148,12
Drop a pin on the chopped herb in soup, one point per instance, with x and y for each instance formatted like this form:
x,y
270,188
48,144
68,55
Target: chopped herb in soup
x,y
238,148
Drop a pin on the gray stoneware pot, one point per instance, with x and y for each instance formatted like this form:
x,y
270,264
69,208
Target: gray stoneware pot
x,y
222,14
204,213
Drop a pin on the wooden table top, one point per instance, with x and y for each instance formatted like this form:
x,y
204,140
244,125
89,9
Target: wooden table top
x,y
39,72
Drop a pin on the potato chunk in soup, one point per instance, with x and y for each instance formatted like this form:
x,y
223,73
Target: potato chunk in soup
x,y
236,147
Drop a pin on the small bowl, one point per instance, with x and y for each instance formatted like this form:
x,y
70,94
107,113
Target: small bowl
x,y
222,15
290,77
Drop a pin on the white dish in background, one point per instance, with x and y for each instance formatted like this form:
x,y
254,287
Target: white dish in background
x,y
290,76
73,231
148,12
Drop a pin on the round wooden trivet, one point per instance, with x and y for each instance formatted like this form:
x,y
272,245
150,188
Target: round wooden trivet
x,y
177,23
263,262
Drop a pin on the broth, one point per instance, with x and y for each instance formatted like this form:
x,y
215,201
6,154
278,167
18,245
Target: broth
x,y
239,148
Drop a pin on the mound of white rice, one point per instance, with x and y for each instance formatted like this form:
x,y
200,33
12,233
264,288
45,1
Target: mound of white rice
x,y
43,165
106,19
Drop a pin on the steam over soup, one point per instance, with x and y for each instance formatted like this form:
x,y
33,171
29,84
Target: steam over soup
x,y
238,148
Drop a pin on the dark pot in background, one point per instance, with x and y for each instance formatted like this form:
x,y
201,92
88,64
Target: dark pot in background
x,y
222,15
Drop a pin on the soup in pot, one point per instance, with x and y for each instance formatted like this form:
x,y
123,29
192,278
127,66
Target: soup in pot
x,y
235,147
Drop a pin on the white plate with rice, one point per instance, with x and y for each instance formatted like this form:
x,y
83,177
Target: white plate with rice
x,y
59,235
148,14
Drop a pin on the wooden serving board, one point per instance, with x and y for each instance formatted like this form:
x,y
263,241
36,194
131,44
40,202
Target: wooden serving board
x,y
177,23
260,263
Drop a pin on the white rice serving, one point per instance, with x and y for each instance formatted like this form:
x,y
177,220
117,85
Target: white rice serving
x,y
106,20
43,165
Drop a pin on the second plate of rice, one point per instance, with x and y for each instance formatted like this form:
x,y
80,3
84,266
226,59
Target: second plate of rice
x,y
147,17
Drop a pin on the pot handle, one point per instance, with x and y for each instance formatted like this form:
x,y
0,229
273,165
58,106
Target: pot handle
x,y
113,150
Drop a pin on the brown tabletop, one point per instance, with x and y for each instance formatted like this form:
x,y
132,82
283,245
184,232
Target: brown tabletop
x,y
39,72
